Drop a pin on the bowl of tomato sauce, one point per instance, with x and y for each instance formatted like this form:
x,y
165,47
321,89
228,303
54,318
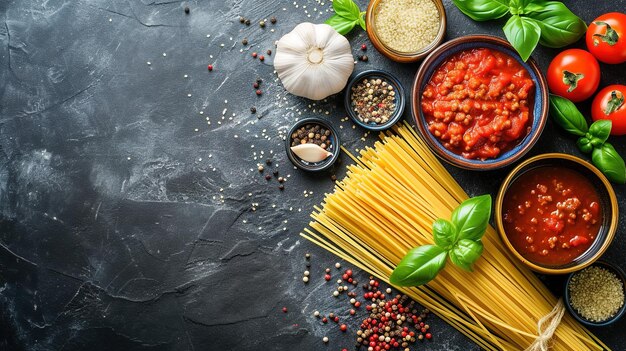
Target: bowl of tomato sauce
x,y
477,104
556,213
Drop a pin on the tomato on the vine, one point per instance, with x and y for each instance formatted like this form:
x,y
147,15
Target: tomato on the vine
x,y
609,104
574,74
606,38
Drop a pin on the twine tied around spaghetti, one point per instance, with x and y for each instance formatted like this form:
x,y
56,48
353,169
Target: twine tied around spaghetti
x,y
546,327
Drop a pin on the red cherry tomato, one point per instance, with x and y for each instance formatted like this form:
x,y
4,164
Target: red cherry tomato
x,y
574,74
606,38
609,104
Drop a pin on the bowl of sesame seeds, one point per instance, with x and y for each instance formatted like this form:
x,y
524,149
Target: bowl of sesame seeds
x,y
405,30
317,143
595,295
374,99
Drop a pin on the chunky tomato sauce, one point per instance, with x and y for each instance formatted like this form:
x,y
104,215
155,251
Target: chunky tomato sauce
x,y
478,102
551,215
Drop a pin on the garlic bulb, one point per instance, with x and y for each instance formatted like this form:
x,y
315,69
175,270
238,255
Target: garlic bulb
x,y
313,61
311,152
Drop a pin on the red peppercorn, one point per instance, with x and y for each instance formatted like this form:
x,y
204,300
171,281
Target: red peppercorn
x,y
210,67
344,277
349,272
262,58
343,327
336,319
429,336
327,277
254,54
285,309
259,92
324,320
357,304
363,47
352,312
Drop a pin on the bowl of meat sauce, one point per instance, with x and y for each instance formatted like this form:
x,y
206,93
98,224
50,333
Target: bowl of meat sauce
x,y
557,213
477,104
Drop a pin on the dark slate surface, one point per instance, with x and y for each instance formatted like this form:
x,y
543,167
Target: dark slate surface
x,y
128,222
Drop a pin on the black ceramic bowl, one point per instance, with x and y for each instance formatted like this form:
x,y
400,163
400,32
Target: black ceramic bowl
x,y
399,98
333,147
612,268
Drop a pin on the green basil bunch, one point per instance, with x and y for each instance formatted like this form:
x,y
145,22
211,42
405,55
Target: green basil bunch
x,y
591,139
459,238
549,23
347,16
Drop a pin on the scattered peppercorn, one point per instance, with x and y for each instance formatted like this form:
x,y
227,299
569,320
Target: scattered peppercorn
x,y
285,309
247,22
262,58
273,20
307,256
244,41
187,10
269,52
325,339
255,85
254,54
327,270
210,67
333,177
363,47
260,168
259,80
241,19
305,279
268,177
253,110
262,24
281,187
327,277
259,92
343,327
275,172
364,58
281,179
268,161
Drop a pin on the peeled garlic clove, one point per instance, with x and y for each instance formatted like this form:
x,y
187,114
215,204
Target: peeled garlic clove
x,y
310,152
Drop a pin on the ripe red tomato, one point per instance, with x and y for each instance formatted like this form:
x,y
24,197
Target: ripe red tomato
x,y
609,104
606,38
574,74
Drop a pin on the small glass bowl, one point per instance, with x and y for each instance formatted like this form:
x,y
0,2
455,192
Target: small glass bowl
x,y
334,146
566,297
400,99
404,56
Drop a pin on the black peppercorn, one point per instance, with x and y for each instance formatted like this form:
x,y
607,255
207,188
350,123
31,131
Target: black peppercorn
x,y
259,80
268,162
333,177
247,22
268,177
244,41
253,109
281,187
273,20
269,52
187,9
275,172
364,58
241,19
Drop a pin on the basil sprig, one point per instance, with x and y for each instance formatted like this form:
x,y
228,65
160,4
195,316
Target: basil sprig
x,y
347,16
592,139
459,238
549,23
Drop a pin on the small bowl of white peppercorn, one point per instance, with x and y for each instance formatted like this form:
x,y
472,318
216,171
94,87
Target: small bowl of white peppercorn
x,y
374,99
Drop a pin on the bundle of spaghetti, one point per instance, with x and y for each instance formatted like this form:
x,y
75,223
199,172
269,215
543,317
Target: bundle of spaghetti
x,y
386,205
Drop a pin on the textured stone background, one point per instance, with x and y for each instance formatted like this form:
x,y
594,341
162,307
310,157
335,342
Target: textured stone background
x,y
126,206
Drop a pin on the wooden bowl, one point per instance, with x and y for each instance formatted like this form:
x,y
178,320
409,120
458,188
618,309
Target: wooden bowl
x,y
404,56
608,201
539,109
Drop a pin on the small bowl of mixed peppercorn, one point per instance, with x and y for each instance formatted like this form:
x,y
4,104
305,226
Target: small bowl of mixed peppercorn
x,y
312,144
595,295
374,99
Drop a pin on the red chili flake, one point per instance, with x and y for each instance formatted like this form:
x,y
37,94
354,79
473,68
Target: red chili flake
x,y
343,327
363,47
210,67
285,309
254,54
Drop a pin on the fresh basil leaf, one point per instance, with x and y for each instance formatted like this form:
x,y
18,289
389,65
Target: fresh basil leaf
x,y
445,233
523,33
584,144
362,20
559,26
610,163
471,217
600,131
341,24
518,7
465,253
565,114
419,266
347,9
483,10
